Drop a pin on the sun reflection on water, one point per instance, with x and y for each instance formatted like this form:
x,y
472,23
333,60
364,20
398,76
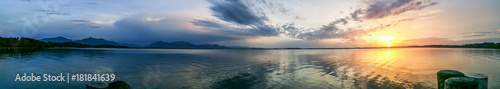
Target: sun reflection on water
x,y
388,53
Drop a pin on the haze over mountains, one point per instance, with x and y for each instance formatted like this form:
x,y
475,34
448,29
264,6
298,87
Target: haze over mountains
x,y
158,44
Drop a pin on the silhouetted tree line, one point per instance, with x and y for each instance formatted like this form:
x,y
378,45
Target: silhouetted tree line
x,y
475,45
28,43
22,43
483,45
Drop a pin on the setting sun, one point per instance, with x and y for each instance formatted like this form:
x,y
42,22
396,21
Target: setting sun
x,y
384,39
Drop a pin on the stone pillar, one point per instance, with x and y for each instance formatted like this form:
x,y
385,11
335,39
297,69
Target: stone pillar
x,y
460,83
445,74
481,79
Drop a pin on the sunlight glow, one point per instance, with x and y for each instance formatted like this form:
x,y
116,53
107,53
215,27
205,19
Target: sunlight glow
x,y
388,53
385,39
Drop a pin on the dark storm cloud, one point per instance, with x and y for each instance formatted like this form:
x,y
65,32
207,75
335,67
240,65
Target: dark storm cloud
x,y
251,20
236,11
254,30
207,23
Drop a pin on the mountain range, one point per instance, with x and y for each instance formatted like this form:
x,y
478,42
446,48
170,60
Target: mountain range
x,y
56,40
159,44
96,41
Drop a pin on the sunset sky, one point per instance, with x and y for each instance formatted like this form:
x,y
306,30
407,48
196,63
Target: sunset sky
x,y
257,23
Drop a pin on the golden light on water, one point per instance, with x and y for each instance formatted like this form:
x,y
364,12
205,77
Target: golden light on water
x,y
387,40
388,53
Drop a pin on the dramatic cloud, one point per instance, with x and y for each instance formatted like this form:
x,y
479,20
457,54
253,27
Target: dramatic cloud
x,y
331,30
250,22
355,25
382,8
236,11
246,30
245,21
243,18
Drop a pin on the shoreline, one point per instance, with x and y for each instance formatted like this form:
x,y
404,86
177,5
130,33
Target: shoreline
x,y
33,49
264,48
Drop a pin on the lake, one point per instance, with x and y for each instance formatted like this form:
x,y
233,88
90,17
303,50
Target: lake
x,y
256,69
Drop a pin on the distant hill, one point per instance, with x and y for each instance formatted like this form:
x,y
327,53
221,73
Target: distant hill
x,y
96,41
56,40
184,45
21,44
87,41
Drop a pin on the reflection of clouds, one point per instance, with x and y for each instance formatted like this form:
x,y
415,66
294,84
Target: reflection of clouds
x,y
153,77
370,68
262,69
290,69
359,68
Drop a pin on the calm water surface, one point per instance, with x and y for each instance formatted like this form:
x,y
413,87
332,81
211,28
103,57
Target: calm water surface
x,y
257,69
